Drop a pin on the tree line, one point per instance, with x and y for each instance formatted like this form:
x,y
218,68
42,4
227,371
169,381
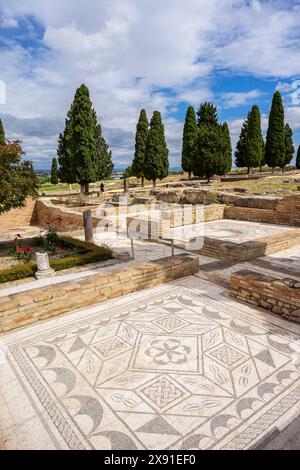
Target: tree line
x,y
277,151
206,144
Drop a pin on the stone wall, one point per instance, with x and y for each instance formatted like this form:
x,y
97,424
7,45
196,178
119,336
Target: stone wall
x,y
16,218
21,309
252,249
60,218
279,296
286,211
174,216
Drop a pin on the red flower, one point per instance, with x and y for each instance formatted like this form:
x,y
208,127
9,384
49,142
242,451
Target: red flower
x,y
20,250
27,249
17,243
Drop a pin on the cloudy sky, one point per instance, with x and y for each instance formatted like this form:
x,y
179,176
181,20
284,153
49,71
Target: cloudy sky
x,y
149,54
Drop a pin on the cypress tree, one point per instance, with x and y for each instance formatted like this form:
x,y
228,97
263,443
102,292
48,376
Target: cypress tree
x,y
289,146
142,129
253,150
213,153
263,158
226,149
207,114
275,143
240,159
64,153
298,159
189,141
54,172
83,142
156,164
2,134
104,162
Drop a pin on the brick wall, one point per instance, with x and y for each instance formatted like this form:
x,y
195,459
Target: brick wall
x,y
19,217
38,304
279,296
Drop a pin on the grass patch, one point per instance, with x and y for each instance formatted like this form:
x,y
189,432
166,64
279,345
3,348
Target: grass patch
x,y
268,183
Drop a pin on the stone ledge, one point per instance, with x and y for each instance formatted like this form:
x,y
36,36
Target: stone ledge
x,y
21,309
251,249
279,296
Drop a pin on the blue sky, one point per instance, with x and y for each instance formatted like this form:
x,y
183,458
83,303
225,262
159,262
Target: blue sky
x,y
148,54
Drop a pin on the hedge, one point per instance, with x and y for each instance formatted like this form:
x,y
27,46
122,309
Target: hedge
x,y
90,254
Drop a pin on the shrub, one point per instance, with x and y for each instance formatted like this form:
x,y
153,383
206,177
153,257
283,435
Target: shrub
x,y
88,253
20,271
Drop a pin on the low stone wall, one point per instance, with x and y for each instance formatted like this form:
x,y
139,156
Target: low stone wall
x,y
22,217
285,211
175,216
280,296
60,218
21,309
254,202
252,249
250,214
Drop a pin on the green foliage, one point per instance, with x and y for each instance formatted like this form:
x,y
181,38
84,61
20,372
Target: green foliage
x,y
289,146
83,141
207,114
17,178
189,140
54,172
250,147
141,136
52,238
226,149
128,172
2,134
240,155
254,143
213,152
84,155
104,162
89,253
156,164
298,159
275,143
64,153
15,273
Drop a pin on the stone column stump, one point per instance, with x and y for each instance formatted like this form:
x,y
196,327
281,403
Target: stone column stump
x,y
88,226
44,270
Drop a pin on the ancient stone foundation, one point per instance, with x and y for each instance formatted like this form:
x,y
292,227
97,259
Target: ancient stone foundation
x,y
279,296
21,309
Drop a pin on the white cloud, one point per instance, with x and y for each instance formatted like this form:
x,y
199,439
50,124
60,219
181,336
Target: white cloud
x,y
232,99
138,53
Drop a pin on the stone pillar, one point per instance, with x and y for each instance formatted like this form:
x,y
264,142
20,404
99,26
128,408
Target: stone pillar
x,y
88,226
43,266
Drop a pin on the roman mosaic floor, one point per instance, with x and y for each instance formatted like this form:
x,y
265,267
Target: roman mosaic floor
x,y
179,366
235,231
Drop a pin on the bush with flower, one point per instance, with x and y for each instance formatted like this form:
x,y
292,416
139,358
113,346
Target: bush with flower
x,y
22,252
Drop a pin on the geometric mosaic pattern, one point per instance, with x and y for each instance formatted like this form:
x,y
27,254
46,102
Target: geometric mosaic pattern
x,y
178,371
227,355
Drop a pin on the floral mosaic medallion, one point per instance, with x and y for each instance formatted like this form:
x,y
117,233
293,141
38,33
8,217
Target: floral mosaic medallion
x,y
171,371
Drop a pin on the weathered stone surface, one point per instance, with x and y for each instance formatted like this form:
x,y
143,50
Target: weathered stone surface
x,y
277,295
37,304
